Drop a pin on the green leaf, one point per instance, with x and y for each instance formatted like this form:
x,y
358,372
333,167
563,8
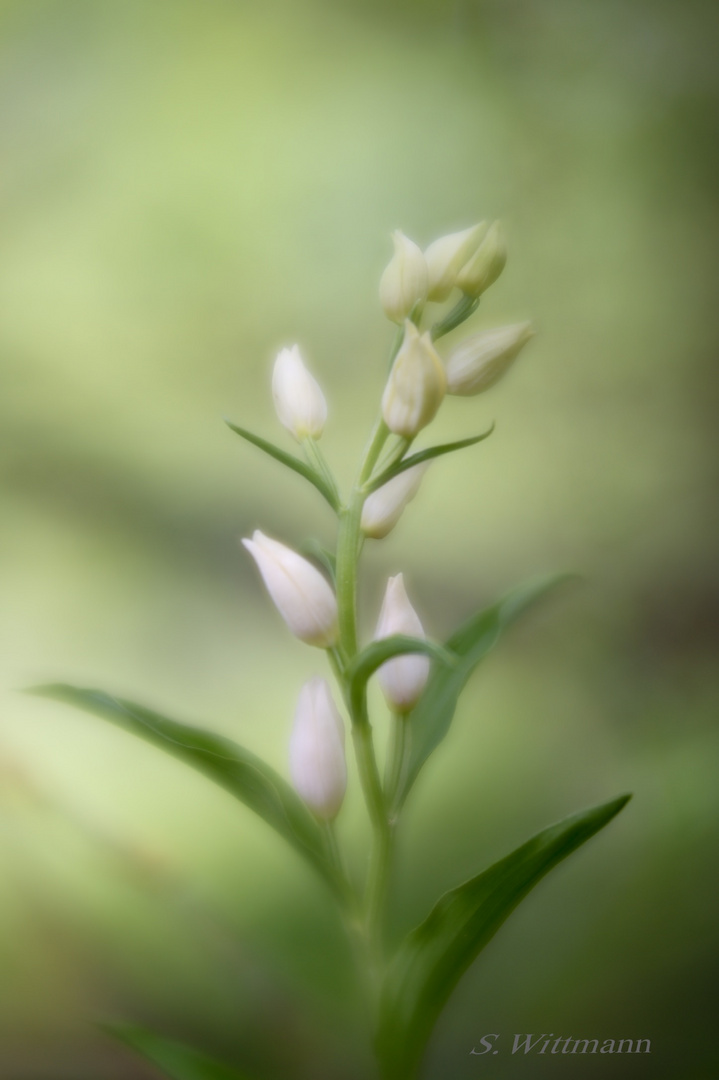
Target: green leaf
x,y
175,1060
377,653
431,718
431,960
425,455
290,461
245,776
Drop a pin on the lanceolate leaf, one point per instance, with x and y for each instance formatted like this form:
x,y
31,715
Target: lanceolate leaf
x,y
430,720
378,652
426,455
173,1059
231,766
290,461
431,960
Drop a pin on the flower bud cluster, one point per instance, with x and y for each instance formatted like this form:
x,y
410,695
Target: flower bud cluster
x,y
470,260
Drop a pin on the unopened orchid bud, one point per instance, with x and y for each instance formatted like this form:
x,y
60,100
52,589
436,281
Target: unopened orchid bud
x,y
486,264
479,361
404,281
300,593
383,508
299,401
404,677
446,257
317,750
416,384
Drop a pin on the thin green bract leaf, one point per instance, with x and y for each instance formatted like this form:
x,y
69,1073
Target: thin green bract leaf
x,y
425,455
431,718
174,1059
378,652
431,960
237,770
292,462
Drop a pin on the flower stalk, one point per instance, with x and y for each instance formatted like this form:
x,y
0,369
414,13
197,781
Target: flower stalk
x,y
421,680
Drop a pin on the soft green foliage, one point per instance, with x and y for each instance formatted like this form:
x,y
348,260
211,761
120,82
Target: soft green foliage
x,y
231,766
430,962
172,1058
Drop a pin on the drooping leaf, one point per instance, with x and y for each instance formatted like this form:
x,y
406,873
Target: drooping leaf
x,y
431,718
377,653
174,1059
431,960
237,770
292,462
426,455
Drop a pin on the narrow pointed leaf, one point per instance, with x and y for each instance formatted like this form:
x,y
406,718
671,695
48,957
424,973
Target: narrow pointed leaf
x,y
292,462
426,455
175,1060
237,770
431,960
378,652
431,718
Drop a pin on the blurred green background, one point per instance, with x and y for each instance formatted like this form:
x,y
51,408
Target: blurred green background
x,y
186,187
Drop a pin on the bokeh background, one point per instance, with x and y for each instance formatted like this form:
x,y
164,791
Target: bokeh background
x,y
188,186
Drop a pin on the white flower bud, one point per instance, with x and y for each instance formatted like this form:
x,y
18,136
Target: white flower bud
x,y
383,508
479,361
404,281
300,404
317,750
446,257
300,593
416,384
486,264
404,677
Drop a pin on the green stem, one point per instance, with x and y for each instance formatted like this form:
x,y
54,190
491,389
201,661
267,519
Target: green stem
x,y
377,888
377,439
349,542
381,854
347,550
464,307
395,759
392,458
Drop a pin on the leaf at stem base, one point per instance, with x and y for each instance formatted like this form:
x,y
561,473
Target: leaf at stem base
x,y
431,960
